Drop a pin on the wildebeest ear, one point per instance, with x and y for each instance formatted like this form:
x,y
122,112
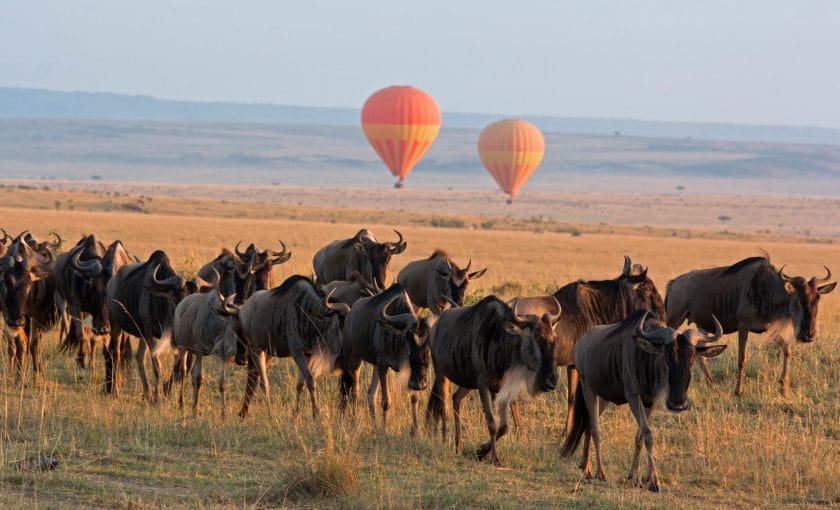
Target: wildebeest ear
x,y
513,329
477,274
710,351
648,346
397,328
361,247
825,289
789,288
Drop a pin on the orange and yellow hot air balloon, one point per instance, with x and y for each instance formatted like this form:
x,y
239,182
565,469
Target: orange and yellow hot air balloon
x,y
511,150
400,122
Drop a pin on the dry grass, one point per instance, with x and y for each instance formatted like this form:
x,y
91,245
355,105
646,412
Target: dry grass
x,y
757,450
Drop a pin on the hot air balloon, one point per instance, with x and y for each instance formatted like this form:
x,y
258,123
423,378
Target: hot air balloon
x,y
511,150
400,122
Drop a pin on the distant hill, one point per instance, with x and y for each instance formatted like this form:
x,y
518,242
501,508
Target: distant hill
x,y
21,103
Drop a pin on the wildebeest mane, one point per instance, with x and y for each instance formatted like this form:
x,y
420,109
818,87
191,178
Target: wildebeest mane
x,y
630,323
438,253
585,304
738,266
282,289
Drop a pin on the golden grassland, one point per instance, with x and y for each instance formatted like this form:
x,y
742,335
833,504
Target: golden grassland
x,y
761,449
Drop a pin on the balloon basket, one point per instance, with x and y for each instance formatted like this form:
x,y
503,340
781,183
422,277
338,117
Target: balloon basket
x,y
399,185
509,201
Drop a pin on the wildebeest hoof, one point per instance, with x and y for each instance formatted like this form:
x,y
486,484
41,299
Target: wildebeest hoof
x,y
653,487
482,451
38,462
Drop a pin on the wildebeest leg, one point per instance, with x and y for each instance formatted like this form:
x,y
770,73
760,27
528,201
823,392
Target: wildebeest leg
x,y
262,364
742,358
251,382
140,357
514,412
704,367
14,347
593,404
484,449
571,384
35,334
457,398
784,377
384,395
371,395
492,428
414,399
298,391
633,474
647,436
196,382
112,354
222,368
156,367
181,367
302,362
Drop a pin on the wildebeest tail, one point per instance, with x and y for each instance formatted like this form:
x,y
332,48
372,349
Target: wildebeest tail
x,y
436,408
580,424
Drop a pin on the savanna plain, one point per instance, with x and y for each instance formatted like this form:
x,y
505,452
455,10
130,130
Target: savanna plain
x,y
761,449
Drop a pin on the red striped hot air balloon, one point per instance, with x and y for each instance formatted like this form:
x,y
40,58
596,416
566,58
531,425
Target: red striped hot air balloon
x,y
400,122
511,150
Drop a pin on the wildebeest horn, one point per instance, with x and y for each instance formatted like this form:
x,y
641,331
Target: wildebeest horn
x,y
406,319
280,256
172,281
212,284
827,275
469,263
239,253
398,246
626,270
700,337
341,308
89,268
516,316
782,274
556,316
640,329
228,306
27,253
6,236
711,337
58,240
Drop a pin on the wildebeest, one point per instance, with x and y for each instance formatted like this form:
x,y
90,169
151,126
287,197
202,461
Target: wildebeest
x,y
636,362
339,259
750,296
205,325
349,291
233,272
141,298
82,274
27,292
591,303
383,330
296,319
492,348
261,262
437,281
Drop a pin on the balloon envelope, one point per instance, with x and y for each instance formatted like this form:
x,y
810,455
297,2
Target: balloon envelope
x,y
400,122
511,150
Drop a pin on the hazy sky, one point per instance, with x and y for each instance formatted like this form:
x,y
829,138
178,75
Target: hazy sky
x,y
734,61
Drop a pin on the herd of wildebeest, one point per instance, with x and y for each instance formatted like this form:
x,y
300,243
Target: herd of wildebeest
x,y
617,338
